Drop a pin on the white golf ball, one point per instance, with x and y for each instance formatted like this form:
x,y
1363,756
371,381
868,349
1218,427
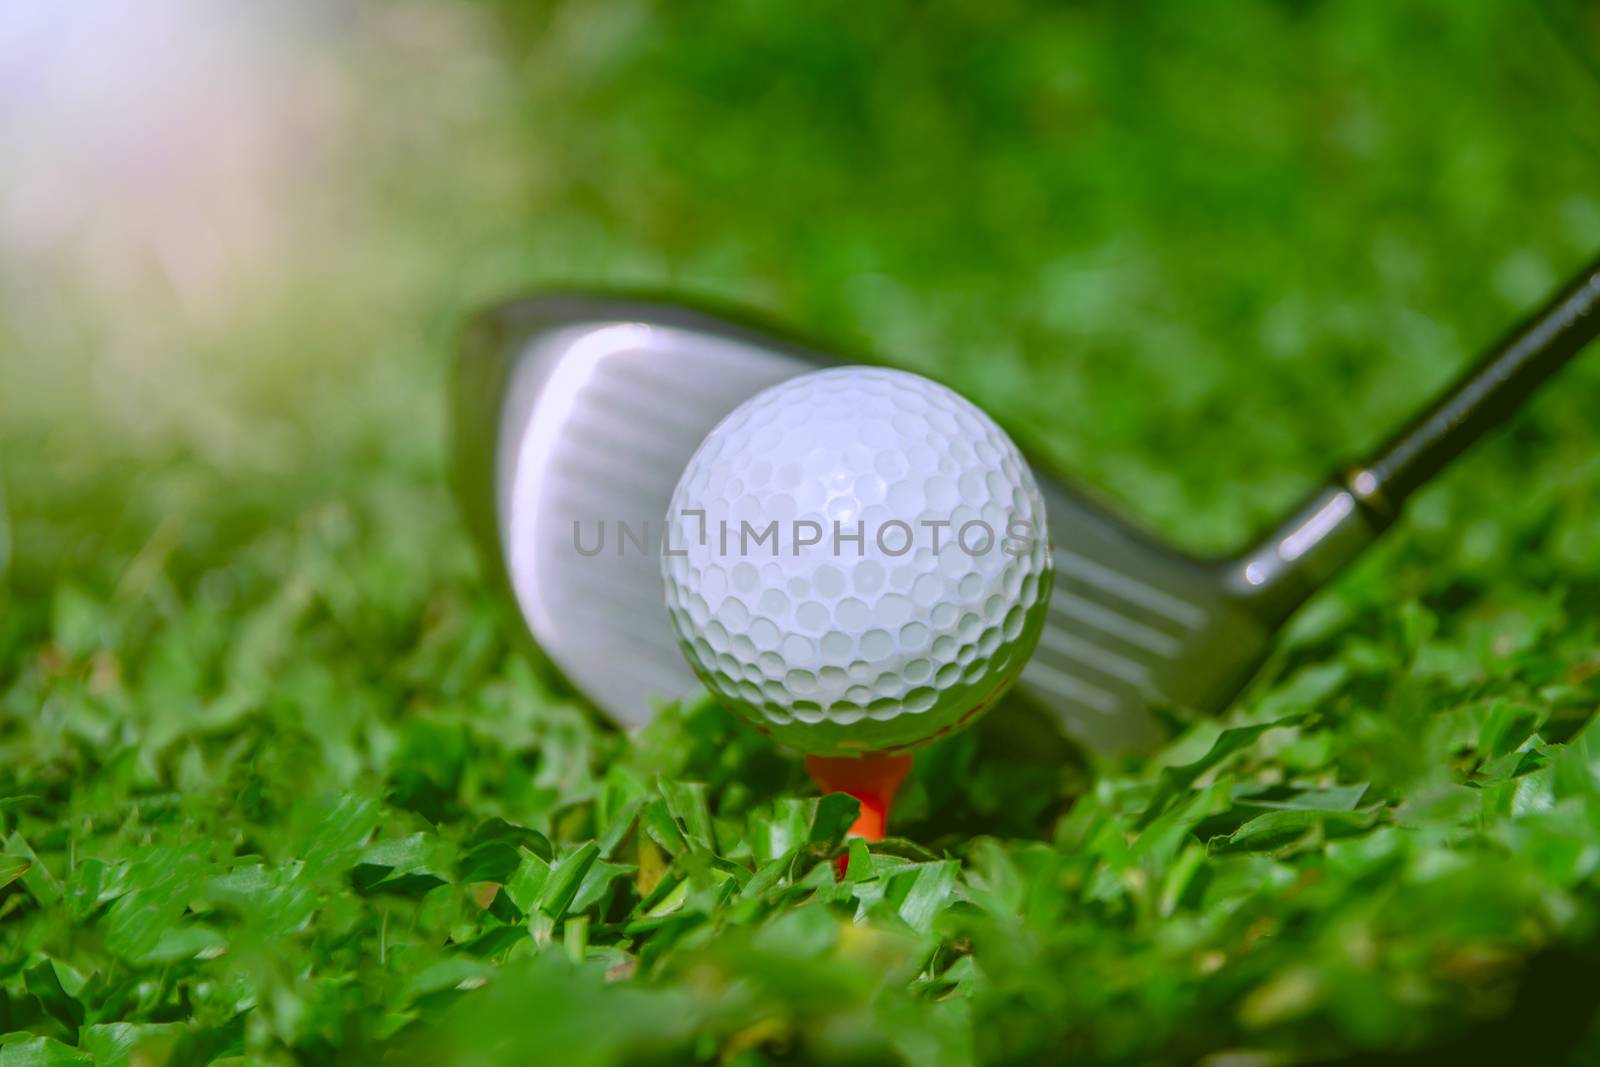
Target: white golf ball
x,y
857,561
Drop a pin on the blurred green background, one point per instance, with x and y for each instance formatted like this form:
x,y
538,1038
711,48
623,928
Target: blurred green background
x,y
1193,256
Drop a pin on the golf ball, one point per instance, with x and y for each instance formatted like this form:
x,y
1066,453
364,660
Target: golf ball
x,y
857,561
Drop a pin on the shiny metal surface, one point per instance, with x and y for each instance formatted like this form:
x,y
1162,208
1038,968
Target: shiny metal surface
x,y
595,421
584,408
1319,537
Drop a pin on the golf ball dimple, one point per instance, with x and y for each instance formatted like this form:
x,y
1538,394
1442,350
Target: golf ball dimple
x,y
857,561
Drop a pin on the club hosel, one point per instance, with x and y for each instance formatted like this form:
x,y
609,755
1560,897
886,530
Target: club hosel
x,y
1330,528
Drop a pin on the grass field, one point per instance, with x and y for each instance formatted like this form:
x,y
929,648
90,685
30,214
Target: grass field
x,y
277,785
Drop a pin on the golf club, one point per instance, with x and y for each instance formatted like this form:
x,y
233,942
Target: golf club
x,y
580,410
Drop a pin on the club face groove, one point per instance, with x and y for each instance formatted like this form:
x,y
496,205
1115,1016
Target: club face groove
x,y
593,407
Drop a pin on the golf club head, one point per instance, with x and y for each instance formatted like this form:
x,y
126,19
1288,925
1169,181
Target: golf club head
x,y
575,416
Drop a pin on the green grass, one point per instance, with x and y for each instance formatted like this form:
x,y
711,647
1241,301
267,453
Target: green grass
x,y
267,743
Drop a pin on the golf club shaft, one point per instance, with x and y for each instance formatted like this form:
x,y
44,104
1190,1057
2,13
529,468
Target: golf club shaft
x,y
1336,523
1485,396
